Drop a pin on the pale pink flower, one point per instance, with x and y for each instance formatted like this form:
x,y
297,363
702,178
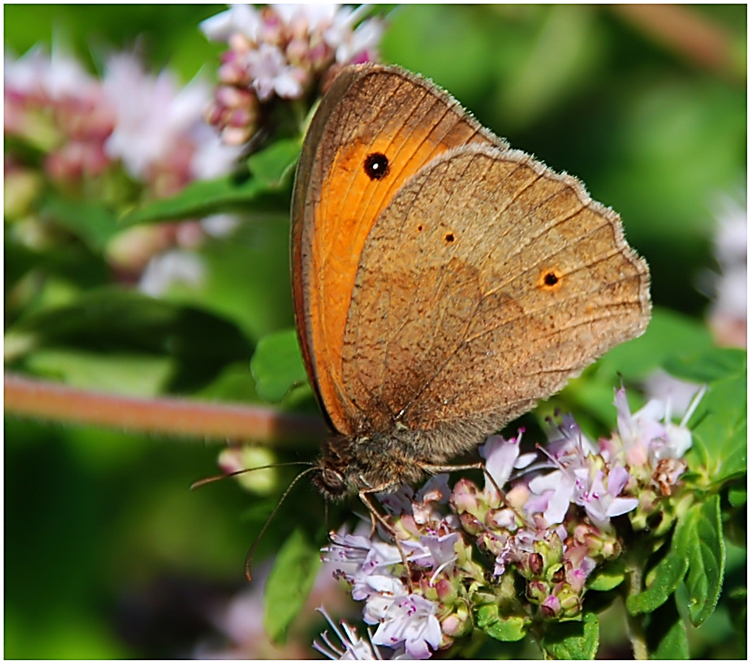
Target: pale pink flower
x,y
599,495
649,435
172,267
160,125
433,551
403,618
353,45
308,18
679,393
271,74
501,458
728,287
24,75
220,225
54,104
425,505
238,19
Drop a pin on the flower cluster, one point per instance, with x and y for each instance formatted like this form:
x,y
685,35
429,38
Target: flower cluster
x,y
90,131
281,52
53,104
543,520
159,134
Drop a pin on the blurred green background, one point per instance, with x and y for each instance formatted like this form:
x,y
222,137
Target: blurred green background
x,y
107,552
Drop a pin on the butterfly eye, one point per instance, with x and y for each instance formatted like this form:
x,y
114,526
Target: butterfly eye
x,y
333,480
376,166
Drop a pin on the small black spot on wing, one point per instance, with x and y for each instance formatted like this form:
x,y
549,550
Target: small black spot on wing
x,y
377,166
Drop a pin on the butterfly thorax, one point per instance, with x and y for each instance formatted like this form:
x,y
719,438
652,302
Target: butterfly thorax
x,y
372,463
376,460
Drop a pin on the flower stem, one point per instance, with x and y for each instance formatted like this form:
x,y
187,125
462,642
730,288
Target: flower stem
x,y
687,33
636,632
171,416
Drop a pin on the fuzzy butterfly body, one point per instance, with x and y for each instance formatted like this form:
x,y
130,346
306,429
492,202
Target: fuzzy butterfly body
x,y
443,283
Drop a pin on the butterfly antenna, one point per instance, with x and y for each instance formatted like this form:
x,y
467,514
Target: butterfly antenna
x,y
325,518
251,552
226,475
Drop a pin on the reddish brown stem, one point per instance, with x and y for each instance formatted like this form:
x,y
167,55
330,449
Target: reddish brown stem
x,y
170,416
686,32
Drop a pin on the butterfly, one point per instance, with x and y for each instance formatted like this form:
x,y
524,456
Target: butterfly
x,y
443,283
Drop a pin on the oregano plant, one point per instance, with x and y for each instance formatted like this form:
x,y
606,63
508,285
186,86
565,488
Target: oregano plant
x,y
147,300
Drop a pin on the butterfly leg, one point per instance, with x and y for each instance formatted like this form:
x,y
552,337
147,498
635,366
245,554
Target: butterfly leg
x,y
376,518
437,469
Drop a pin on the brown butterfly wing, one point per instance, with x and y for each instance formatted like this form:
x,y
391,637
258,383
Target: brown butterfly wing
x,y
369,110
486,284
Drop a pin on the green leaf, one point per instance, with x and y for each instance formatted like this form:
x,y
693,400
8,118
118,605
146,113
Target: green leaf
x,y
572,640
708,366
277,365
233,383
273,165
666,337
720,436
112,318
737,601
666,635
247,277
505,629
115,320
665,577
707,555
92,222
289,584
270,170
737,495
130,374
607,577
71,261
199,199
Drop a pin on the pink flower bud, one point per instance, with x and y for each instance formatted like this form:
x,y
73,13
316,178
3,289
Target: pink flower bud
x,y
536,564
464,497
237,135
537,591
550,607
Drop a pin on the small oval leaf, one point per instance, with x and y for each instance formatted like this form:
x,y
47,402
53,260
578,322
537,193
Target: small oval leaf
x,y
289,584
572,640
277,365
666,635
706,554
667,576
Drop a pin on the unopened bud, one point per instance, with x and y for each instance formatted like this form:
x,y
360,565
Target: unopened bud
x,y
536,564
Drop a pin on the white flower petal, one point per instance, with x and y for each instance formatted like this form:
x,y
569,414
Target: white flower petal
x,y
243,19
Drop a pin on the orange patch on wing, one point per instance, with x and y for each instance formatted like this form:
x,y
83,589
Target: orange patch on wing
x,y
351,202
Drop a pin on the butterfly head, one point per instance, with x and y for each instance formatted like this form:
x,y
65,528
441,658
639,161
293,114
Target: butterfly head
x,y
332,478
364,463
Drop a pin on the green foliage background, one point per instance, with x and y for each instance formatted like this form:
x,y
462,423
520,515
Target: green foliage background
x,y
107,553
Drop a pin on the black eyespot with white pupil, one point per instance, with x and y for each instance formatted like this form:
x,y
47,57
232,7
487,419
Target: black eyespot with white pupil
x,y
376,166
